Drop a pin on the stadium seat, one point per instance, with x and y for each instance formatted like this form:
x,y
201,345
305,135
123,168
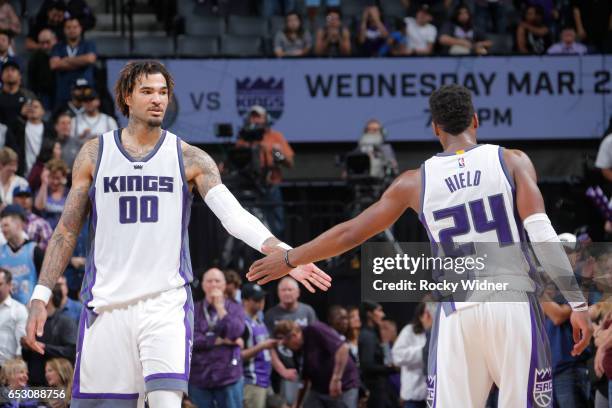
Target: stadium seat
x,y
251,26
276,23
204,25
192,46
240,46
502,44
112,47
153,47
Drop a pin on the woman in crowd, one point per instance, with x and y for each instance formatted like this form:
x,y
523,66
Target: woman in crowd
x,y
293,40
374,371
8,179
58,372
14,377
50,149
53,191
459,37
334,39
372,32
408,353
532,35
352,336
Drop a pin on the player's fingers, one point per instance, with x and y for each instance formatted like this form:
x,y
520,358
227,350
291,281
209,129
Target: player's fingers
x,y
265,280
580,346
308,286
318,284
322,274
576,334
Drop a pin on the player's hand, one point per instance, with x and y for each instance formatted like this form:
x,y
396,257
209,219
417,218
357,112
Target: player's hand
x,y
598,363
307,274
582,331
335,387
35,325
268,268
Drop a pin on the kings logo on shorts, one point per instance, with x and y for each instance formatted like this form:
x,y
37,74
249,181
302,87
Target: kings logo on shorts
x,y
269,93
542,387
431,390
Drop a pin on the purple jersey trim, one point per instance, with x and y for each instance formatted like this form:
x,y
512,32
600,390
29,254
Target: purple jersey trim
x,y
157,376
117,136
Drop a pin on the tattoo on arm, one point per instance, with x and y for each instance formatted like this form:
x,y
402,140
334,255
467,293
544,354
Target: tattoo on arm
x,y
203,167
64,238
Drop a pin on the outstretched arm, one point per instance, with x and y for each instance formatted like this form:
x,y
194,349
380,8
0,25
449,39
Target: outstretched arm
x,y
403,193
63,241
201,171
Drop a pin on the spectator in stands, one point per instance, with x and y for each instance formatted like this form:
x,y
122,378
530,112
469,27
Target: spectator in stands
x,y
13,317
293,40
50,149
257,344
51,197
593,22
74,106
329,373
22,257
54,22
8,179
532,35
13,95
92,122
374,372
333,39
570,374
459,37
397,43
604,154
69,307
40,77
5,48
277,7
58,340
372,32
421,34
275,153
568,45
9,20
75,271
216,366
312,7
337,318
36,227
71,60
288,308
15,373
5,134
63,134
59,375
74,8
31,135
352,337
233,282
408,353
490,15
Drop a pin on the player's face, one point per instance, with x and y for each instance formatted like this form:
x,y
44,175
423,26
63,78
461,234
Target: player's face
x,y
5,288
149,100
52,376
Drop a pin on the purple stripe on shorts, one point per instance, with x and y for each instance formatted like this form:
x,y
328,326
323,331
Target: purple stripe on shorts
x,y
81,395
534,357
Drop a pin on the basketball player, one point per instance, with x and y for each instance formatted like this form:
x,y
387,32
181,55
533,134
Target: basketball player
x,y
135,331
473,344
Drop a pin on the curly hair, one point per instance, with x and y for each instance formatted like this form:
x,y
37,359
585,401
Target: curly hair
x,y
57,165
131,73
451,108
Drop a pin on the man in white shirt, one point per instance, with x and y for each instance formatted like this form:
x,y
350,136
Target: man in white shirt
x,y
420,33
91,122
13,317
34,130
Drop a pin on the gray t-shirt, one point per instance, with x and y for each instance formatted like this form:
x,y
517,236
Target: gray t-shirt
x,y
604,155
288,46
303,316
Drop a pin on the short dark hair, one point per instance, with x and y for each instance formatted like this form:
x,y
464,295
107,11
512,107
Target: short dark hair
x,y
128,76
70,18
451,108
8,33
8,276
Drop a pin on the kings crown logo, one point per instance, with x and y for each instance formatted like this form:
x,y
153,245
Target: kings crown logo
x,y
542,388
269,93
431,390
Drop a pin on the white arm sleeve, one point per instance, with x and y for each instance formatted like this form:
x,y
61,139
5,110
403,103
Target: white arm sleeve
x,y
235,219
551,255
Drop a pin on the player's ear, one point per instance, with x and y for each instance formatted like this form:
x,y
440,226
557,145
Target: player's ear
x,y
435,128
475,122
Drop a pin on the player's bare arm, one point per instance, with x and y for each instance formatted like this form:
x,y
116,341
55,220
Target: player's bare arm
x,y
402,194
531,204
64,238
202,172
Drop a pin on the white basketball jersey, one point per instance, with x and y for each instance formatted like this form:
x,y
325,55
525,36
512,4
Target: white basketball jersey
x,y
140,212
467,198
